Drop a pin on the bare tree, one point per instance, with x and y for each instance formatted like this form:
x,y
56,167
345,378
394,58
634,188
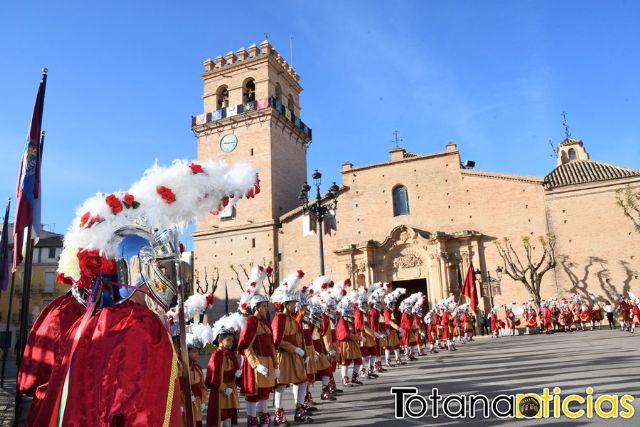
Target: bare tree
x,y
530,272
629,201
213,286
244,272
272,279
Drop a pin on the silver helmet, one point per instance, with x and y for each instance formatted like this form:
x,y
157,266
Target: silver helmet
x,y
142,258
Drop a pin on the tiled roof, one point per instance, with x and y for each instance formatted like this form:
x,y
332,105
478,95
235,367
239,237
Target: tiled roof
x,y
584,171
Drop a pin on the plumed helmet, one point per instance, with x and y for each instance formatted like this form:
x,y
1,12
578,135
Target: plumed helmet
x,y
121,241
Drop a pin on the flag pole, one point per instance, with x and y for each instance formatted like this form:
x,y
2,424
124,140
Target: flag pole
x,y
6,331
24,314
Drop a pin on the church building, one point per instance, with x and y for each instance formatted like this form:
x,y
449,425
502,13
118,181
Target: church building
x,y
417,219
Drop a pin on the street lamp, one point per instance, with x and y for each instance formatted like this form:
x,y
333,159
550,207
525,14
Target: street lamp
x,y
489,280
318,209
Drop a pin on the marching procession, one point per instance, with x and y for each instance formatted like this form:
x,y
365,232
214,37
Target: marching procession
x,y
567,315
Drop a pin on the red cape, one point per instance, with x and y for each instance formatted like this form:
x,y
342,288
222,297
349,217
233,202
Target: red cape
x,y
247,335
39,353
121,374
213,381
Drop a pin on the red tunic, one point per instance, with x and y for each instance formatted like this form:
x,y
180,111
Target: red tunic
x,y
123,369
262,346
444,321
494,322
531,318
585,315
217,376
546,316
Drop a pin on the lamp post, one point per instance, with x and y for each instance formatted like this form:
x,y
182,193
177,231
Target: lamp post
x,y
318,209
488,280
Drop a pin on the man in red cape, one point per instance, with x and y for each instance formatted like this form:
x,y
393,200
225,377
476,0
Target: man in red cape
x,y
289,344
40,351
260,370
124,372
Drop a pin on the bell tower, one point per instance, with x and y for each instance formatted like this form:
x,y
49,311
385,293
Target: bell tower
x,y
251,114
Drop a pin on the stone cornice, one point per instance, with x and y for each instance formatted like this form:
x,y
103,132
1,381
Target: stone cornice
x,y
503,176
396,162
261,116
603,186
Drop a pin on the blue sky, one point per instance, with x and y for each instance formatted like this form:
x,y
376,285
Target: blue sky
x,y
493,76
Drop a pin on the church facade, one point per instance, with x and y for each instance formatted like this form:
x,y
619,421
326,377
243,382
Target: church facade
x,y
418,220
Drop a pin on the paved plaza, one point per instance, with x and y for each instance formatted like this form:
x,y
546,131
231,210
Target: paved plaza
x,y
608,361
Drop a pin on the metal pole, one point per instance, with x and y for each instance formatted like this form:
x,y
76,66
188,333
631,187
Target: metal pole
x,y
185,380
320,245
24,314
6,331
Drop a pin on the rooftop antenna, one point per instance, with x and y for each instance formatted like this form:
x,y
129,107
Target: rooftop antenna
x,y
291,51
566,126
397,140
553,149
266,36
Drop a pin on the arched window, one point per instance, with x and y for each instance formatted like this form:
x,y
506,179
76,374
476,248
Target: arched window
x,y
400,201
278,92
290,102
572,154
222,97
249,91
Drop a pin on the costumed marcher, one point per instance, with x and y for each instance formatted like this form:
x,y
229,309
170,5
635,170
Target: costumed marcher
x,y
446,306
431,327
418,326
546,317
290,350
393,326
530,317
197,339
376,322
223,370
406,326
42,346
575,310
635,312
331,293
624,313
596,312
494,321
467,326
122,256
349,341
511,318
566,316
260,368
304,319
585,316
431,319
320,325
363,329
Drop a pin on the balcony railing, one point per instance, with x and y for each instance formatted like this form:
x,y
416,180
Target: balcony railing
x,y
260,104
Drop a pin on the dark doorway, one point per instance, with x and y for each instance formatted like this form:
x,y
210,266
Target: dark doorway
x,y
412,286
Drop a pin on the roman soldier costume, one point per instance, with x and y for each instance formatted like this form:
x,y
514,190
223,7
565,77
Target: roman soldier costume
x,y
260,368
117,363
290,349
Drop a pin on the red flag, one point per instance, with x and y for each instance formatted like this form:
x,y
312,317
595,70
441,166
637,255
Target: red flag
x,y
28,192
469,288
